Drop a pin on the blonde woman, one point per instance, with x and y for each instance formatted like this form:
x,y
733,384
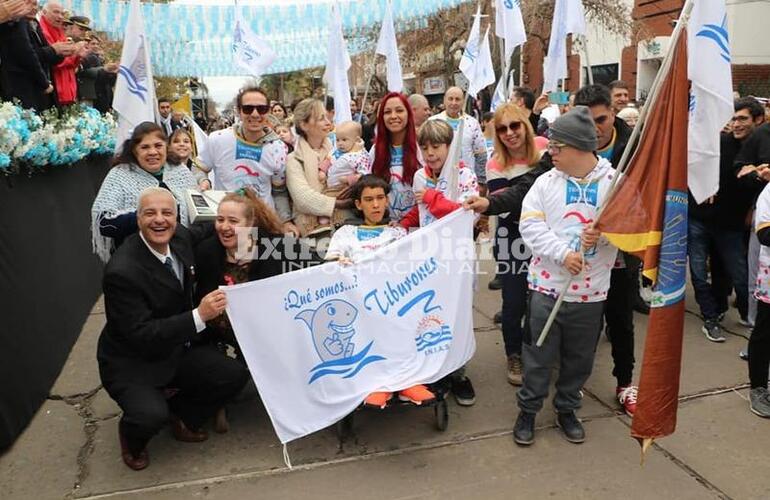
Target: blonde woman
x,y
314,212
513,167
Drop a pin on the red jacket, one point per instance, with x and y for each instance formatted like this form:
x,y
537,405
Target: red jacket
x,y
63,73
434,201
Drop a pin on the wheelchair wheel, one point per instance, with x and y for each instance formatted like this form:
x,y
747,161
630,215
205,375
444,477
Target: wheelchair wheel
x,y
441,413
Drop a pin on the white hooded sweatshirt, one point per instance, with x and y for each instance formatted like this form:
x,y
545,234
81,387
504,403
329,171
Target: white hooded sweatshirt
x,y
554,213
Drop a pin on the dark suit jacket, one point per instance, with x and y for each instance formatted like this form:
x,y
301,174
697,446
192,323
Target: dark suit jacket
x,y
149,314
21,74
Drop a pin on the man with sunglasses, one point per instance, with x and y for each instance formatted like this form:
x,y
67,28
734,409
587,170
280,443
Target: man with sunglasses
x,y
612,135
250,155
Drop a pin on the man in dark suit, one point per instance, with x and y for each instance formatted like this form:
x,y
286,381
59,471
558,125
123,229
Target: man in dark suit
x,y
148,358
22,76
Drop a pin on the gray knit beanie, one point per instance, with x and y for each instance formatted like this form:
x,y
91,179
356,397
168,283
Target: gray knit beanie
x,y
575,128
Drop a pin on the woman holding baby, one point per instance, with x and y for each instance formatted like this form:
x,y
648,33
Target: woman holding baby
x,y
319,183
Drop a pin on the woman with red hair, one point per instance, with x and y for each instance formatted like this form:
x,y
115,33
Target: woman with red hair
x,y
395,155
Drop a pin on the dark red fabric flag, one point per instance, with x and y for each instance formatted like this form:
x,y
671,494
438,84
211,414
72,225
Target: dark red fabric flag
x,y
647,217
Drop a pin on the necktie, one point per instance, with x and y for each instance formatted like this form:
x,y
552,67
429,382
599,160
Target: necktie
x,y
170,266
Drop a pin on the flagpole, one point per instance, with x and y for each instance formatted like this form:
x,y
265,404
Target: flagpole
x,y
584,42
368,84
505,67
624,159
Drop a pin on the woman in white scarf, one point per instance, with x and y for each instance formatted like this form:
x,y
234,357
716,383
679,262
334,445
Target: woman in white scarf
x,y
140,164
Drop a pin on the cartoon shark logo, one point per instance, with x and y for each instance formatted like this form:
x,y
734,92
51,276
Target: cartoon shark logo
x,y
331,326
136,73
719,35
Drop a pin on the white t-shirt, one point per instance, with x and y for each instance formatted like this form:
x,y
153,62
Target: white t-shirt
x,y
473,138
356,242
237,163
347,164
466,183
761,221
401,197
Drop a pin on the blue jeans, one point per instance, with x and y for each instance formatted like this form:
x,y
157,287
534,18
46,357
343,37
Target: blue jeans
x,y
731,250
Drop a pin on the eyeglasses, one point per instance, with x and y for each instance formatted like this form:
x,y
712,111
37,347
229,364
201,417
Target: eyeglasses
x,y
248,109
513,127
555,148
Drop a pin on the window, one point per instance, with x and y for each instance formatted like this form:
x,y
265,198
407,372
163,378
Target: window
x,y
603,73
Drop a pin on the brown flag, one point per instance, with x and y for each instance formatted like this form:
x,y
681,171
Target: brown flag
x,y
647,217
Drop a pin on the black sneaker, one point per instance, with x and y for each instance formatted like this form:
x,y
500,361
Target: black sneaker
x,y
524,429
498,319
496,283
571,427
463,391
641,306
712,331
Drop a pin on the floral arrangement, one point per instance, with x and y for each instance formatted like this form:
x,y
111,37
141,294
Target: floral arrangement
x,y
53,138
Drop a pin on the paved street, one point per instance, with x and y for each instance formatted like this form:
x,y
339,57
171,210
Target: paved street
x,y
720,449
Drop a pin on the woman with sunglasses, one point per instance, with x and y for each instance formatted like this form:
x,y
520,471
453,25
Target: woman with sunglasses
x,y
513,162
250,155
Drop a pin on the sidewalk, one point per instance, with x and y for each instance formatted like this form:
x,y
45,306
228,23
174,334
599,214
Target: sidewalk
x,y
720,449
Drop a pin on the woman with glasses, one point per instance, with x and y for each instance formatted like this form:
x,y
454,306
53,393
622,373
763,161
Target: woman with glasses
x,y
509,151
250,155
514,155
315,213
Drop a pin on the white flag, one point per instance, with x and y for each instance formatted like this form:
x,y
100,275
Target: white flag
x,y
568,17
711,94
450,173
482,72
337,65
499,97
388,47
318,341
472,46
250,52
134,99
509,25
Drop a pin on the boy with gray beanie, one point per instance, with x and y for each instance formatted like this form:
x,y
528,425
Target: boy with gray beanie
x,y
556,223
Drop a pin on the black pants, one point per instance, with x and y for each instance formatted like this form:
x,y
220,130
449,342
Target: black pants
x,y
514,275
619,315
759,347
205,380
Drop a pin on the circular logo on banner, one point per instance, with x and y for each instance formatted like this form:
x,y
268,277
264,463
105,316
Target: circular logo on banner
x,y
672,262
433,335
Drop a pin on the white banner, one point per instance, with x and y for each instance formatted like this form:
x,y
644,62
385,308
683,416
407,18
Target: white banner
x,y
388,47
568,17
134,99
509,25
319,340
711,94
337,66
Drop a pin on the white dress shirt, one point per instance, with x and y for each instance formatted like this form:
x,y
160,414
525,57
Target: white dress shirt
x,y
179,271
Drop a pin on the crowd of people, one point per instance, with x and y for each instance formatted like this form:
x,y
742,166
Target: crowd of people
x,y
359,185
51,58
168,353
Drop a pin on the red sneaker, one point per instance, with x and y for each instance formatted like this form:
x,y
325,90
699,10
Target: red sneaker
x,y
627,398
378,399
417,394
